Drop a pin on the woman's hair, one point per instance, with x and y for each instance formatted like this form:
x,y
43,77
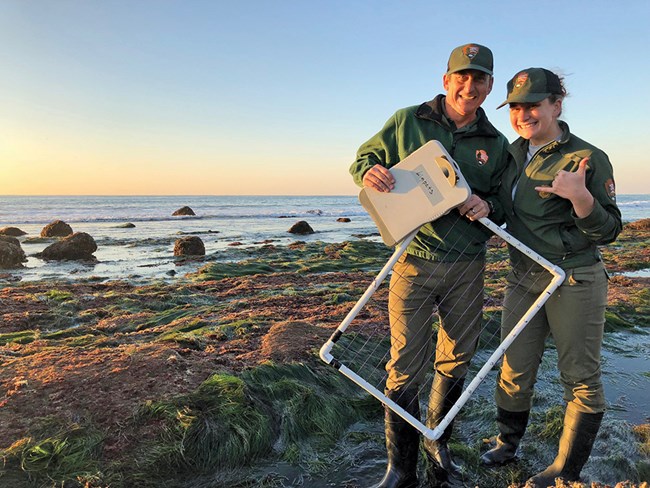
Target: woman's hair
x,y
554,97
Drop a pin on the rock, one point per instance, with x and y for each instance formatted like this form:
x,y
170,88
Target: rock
x,y
184,211
189,246
10,240
77,246
11,254
128,225
12,231
297,245
292,341
643,224
58,228
301,227
343,219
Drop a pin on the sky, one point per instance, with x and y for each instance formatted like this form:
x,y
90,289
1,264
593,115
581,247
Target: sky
x,y
274,97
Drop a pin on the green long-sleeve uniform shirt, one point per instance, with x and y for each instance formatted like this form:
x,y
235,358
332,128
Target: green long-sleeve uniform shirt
x,y
545,222
481,153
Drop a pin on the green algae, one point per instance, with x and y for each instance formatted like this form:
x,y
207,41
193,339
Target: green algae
x,y
216,426
59,295
74,331
239,328
191,334
548,425
229,422
614,322
315,257
306,399
71,453
19,337
165,317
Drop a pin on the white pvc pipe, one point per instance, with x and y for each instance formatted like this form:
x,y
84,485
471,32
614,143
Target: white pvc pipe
x,y
433,434
325,351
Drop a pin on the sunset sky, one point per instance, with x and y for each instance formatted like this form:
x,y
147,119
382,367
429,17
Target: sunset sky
x,y
274,97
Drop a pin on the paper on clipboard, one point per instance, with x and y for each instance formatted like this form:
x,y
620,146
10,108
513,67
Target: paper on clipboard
x,y
428,184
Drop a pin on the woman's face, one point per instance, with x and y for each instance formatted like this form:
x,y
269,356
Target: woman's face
x,y
536,121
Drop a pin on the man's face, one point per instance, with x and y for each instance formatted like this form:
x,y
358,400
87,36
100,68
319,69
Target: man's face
x,y
467,90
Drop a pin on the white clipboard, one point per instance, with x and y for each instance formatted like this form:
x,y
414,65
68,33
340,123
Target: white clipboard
x,y
428,184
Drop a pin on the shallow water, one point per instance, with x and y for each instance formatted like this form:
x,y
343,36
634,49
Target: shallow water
x,y
626,375
146,251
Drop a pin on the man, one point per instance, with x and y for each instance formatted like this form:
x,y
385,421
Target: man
x,y
443,266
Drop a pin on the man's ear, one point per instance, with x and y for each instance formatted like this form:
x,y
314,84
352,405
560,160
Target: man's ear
x,y
445,81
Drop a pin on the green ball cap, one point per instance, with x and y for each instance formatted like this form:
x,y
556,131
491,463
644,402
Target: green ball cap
x,y
532,85
470,56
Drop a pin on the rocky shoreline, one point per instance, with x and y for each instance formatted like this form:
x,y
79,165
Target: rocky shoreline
x,y
214,380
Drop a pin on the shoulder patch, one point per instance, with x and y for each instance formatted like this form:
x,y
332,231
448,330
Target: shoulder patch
x,y
610,188
481,157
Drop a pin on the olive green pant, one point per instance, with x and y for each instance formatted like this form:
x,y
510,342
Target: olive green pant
x,y
418,288
574,316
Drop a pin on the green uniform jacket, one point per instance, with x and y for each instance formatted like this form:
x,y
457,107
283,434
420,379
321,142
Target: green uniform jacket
x,y
545,222
481,152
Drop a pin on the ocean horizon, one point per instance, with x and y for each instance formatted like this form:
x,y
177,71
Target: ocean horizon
x,y
42,209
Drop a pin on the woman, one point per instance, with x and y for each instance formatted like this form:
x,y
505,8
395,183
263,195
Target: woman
x,y
559,199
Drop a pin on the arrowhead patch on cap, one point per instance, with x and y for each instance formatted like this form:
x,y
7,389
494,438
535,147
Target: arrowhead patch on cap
x,y
521,79
470,51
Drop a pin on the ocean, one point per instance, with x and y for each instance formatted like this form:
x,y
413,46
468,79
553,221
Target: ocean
x,y
224,223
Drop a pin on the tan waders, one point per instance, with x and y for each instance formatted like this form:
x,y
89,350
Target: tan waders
x,y
402,442
512,426
578,436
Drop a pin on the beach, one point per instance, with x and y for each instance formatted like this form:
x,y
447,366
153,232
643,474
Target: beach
x,y
205,371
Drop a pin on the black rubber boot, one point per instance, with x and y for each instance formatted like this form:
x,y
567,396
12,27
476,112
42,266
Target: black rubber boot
x,y
512,426
578,436
440,466
402,442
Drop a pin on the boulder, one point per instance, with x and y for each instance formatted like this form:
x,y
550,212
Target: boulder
x,y
12,231
77,246
343,219
189,246
127,225
184,211
58,228
10,240
11,253
301,227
